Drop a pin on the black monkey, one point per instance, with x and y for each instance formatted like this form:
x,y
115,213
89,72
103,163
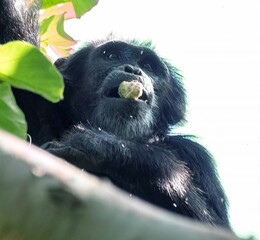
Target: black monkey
x,y
125,139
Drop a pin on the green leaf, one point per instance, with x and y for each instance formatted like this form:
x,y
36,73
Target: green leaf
x,y
50,3
45,24
11,117
82,6
23,66
53,35
52,29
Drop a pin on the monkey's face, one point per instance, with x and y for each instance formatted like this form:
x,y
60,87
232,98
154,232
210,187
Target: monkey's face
x,y
120,88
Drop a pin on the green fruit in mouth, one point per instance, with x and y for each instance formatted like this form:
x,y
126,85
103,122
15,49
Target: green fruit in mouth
x,y
130,90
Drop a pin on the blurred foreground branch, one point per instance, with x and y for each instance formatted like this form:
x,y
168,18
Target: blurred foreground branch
x,y
43,197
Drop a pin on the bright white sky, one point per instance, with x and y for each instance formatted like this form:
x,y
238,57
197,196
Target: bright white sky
x,y
216,45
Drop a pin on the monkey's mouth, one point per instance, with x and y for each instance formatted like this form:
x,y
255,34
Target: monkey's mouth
x,y
115,93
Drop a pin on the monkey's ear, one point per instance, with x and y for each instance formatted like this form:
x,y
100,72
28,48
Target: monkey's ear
x,y
62,65
59,62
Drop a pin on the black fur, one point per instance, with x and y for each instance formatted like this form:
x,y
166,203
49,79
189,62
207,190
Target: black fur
x,y
125,140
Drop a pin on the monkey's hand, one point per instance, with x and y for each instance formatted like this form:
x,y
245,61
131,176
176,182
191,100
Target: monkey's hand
x,y
78,148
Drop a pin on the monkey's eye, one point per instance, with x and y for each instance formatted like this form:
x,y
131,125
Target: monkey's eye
x,y
111,56
147,67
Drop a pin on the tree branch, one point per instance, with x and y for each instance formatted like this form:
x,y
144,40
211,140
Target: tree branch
x,y
43,197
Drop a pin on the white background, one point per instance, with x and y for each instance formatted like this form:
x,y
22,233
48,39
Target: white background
x,y
216,45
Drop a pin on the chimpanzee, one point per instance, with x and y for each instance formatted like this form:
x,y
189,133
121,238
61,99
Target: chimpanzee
x,y
120,101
